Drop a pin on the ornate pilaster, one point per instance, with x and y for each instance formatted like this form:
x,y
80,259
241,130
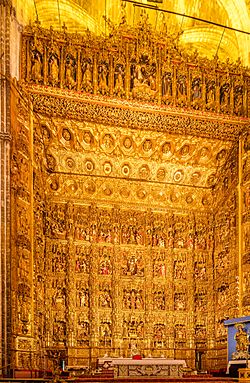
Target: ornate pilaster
x,y
70,278
244,224
5,129
117,304
93,293
211,297
148,300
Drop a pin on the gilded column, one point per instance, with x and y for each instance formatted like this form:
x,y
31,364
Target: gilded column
x,y
111,75
174,84
93,294
240,223
62,62
127,72
70,278
79,71
45,66
211,296
117,303
148,333
190,289
159,76
116,294
244,224
95,74
148,284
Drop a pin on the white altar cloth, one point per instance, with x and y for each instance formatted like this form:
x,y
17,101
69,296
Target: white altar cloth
x,y
143,361
144,367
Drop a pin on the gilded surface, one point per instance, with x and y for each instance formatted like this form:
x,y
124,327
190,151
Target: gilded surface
x,y
22,250
245,224
134,63
226,263
125,203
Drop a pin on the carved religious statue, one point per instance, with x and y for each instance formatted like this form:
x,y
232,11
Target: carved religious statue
x,y
242,342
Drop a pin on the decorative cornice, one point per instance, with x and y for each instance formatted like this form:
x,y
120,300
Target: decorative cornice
x,y
131,114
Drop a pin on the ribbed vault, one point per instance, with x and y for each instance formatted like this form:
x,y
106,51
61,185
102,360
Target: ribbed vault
x,y
206,38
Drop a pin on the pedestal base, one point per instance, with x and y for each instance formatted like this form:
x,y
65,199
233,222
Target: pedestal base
x,y
244,375
233,367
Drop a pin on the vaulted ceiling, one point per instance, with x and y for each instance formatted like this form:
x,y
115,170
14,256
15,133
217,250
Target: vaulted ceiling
x,y
207,38
196,163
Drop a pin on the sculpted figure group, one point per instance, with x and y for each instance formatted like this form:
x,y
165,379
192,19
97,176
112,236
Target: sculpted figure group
x,y
135,75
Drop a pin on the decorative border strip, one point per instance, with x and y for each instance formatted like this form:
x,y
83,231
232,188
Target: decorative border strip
x,y
134,115
4,136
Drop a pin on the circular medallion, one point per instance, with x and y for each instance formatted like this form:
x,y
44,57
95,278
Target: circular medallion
x,y
90,187
159,195
211,180
51,162
89,165
107,141
195,177
166,148
124,192
141,193
189,199
144,172
87,138
127,143
107,190
161,174
107,168
66,134
178,175
205,200
70,163
204,152
184,150
147,145
126,170
221,155
173,197
72,187
54,185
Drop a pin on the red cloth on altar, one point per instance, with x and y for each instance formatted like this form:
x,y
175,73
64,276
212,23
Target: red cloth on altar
x,y
137,357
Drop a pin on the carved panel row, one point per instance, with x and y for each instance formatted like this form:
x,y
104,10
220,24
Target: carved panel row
x,y
149,68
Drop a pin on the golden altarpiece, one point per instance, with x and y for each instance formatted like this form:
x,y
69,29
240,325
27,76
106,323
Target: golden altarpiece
x,y
130,198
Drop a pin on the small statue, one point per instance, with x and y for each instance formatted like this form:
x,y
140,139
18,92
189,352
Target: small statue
x,y
36,69
54,71
241,337
103,79
69,74
87,78
119,82
134,350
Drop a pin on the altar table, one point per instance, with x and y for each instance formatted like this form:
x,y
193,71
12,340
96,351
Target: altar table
x,y
124,367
